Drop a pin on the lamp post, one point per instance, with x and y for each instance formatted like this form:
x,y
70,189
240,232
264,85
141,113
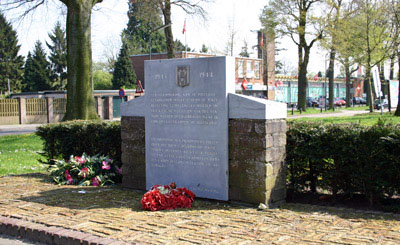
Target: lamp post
x,y
157,29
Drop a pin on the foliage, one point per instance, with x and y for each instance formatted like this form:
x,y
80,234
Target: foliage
x,y
11,64
344,158
165,197
58,57
61,140
102,80
180,47
37,70
124,75
295,19
245,50
18,154
204,49
86,171
143,19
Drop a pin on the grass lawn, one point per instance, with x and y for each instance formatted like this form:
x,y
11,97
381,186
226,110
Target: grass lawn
x,y
18,154
310,110
364,119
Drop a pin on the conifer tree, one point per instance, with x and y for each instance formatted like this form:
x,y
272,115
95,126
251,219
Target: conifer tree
x,y
11,64
58,57
143,19
124,75
37,70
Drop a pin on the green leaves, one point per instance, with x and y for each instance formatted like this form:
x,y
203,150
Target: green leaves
x,y
346,158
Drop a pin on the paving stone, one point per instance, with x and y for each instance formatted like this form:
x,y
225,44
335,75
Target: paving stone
x,y
118,211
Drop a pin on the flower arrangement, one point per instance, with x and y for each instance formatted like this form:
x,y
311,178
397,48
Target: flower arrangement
x,y
165,197
86,170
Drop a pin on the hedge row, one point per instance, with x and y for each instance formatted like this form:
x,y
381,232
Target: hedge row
x,y
61,140
344,159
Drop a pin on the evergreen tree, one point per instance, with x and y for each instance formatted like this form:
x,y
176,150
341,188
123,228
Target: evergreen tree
x,y
180,47
11,64
204,49
245,50
143,19
124,75
58,57
37,70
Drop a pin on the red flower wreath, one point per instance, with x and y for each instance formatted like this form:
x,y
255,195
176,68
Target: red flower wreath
x,y
162,197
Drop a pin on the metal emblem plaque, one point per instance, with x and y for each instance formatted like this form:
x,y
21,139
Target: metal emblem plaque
x,y
182,76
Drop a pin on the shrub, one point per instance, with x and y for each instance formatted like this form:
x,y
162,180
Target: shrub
x,y
344,159
61,140
85,171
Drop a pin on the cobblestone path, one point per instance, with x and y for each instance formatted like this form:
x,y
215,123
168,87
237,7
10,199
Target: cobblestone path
x,y
115,213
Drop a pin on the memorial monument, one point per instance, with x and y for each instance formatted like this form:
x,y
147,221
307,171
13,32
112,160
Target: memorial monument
x,y
180,131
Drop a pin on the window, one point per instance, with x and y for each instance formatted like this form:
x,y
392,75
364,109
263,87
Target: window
x,y
257,69
249,69
240,68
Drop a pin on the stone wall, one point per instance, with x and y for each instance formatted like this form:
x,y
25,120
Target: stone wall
x,y
256,159
133,152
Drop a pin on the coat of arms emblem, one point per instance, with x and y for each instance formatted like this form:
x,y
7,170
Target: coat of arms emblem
x,y
182,76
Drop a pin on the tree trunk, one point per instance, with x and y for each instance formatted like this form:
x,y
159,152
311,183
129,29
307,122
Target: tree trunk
x,y
80,100
369,89
397,113
302,87
166,9
331,70
348,83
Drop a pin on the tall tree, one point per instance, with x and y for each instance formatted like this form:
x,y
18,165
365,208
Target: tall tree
x,y
58,57
11,64
296,21
332,21
375,32
144,18
37,75
80,100
395,13
124,75
190,7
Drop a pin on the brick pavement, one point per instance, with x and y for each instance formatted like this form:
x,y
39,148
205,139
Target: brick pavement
x,y
115,213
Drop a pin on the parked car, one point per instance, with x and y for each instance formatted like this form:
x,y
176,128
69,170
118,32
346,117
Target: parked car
x,y
378,104
359,101
311,102
339,102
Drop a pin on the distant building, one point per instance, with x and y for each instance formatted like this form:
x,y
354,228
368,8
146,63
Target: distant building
x,y
249,69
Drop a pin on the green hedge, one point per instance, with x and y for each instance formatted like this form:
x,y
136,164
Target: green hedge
x,y
61,140
344,159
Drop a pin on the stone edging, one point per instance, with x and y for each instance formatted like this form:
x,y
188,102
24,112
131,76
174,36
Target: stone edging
x,y
51,234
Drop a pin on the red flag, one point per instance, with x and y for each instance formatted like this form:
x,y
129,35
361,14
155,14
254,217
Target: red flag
x,y
316,77
262,40
184,27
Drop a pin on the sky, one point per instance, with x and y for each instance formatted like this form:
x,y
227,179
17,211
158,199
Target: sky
x,y
109,18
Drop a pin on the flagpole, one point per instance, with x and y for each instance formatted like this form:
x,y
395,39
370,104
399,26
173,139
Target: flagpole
x,y
185,41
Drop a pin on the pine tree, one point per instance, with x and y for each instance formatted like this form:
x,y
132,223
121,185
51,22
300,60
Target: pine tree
x,y
124,75
11,64
143,19
37,70
58,57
